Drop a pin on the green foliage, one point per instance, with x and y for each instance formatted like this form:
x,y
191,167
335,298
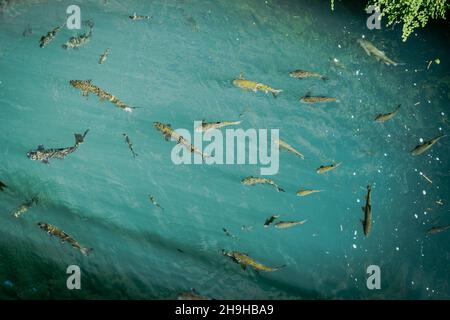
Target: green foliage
x,y
413,13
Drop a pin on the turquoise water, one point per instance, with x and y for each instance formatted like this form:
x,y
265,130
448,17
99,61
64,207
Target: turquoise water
x,y
177,68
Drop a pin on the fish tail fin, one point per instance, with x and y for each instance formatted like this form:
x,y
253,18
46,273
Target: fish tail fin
x,y
279,267
276,92
280,189
79,138
86,251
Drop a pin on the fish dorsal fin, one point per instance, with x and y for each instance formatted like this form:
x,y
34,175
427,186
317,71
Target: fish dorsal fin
x,y
40,147
241,75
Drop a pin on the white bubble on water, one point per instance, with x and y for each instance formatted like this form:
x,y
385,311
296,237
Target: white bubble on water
x,y
421,140
424,192
397,248
416,216
354,246
357,200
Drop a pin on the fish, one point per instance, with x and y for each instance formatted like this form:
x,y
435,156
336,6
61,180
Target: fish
x,y
421,148
45,40
302,74
316,99
205,126
251,181
25,207
154,202
81,40
130,144
382,117
44,155
287,147
307,192
191,21
138,17
323,169
244,260
288,224
191,295
28,31
2,186
371,50
169,133
87,87
228,234
103,56
54,231
335,62
271,219
436,230
255,86
367,209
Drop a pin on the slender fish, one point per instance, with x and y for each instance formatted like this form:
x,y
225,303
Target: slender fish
x,y
25,207
87,87
255,86
371,50
436,230
44,155
302,74
130,144
169,133
103,56
287,147
251,181
367,209
421,148
245,261
54,231
205,126
323,169
387,116
306,192
288,224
